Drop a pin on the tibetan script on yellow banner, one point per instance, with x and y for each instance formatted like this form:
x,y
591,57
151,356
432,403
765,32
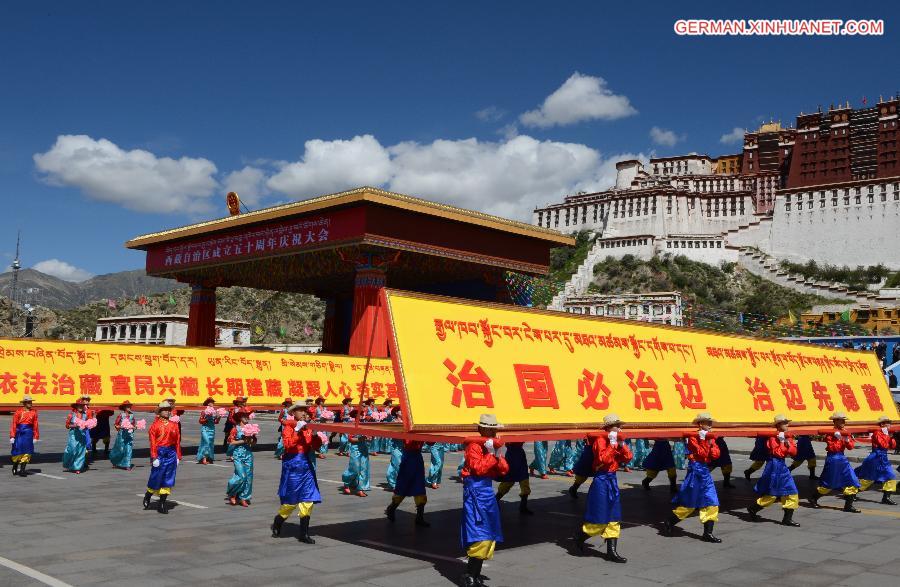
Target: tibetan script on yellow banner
x,y
456,359
55,373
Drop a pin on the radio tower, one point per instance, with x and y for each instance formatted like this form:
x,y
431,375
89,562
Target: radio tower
x,y
14,289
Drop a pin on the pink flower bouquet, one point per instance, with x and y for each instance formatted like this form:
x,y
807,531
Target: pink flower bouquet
x,y
327,415
141,424
126,425
250,429
221,412
209,411
90,423
175,418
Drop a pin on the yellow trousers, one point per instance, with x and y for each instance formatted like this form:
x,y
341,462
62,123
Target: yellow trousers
x,y
579,481
483,549
610,530
811,463
419,499
524,487
161,491
22,459
850,490
864,484
709,513
756,466
651,474
304,508
788,502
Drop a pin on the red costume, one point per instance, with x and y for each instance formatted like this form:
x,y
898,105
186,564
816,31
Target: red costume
x,y
481,463
23,416
702,451
607,458
779,450
164,433
879,439
298,442
838,445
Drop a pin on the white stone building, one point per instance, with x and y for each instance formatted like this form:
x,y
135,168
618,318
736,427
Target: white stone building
x,y
657,307
167,329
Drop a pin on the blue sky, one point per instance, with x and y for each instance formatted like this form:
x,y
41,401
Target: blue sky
x,y
123,118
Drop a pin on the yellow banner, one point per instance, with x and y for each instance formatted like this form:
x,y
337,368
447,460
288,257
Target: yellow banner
x,y
535,369
55,373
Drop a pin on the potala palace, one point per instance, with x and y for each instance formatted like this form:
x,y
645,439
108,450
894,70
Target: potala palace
x,y
827,190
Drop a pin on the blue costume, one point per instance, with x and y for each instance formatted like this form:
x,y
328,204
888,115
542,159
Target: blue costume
x,y
539,463
603,512
279,447
759,455
776,482
394,465
23,431
660,458
640,450
561,457
298,488
207,448
517,462
436,470
356,475
876,468
480,528
120,455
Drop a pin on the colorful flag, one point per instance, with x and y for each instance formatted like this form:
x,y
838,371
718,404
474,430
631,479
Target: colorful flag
x,y
171,300
259,330
845,315
142,301
791,318
307,330
111,303
282,331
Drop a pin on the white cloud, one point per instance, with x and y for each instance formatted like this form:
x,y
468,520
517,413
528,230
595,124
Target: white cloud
x,y
331,166
580,98
735,136
490,114
249,183
664,137
136,179
507,177
62,270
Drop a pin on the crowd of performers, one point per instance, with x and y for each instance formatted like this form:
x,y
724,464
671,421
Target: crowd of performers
x,y
485,459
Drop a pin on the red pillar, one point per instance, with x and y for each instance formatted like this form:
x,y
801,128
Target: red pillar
x,y
202,316
368,334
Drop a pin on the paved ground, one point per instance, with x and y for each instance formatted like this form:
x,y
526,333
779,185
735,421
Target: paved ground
x,y
90,530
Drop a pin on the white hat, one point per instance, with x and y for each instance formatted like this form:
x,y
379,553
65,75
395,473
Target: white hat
x,y
838,416
703,416
881,420
779,418
488,421
163,406
27,398
611,420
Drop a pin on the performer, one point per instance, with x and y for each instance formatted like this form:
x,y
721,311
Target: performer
x,y
660,459
724,461
88,414
698,491
356,475
410,482
806,453
240,486
393,468
101,432
74,457
584,468
436,471
518,473
282,417
837,473
120,455
237,405
480,529
23,431
641,450
206,452
877,467
346,408
320,417
603,513
298,488
758,455
776,482
538,466
165,450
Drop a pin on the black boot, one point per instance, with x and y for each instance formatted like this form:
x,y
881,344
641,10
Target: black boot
x,y
304,531
727,482
646,483
611,554
22,472
581,540
573,492
669,525
848,505
814,499
15,470
472,576
673,486
747,473
523,506
788,519
886,498
391,511
754,509
277,523
147,497
420,516
163,507
708,536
